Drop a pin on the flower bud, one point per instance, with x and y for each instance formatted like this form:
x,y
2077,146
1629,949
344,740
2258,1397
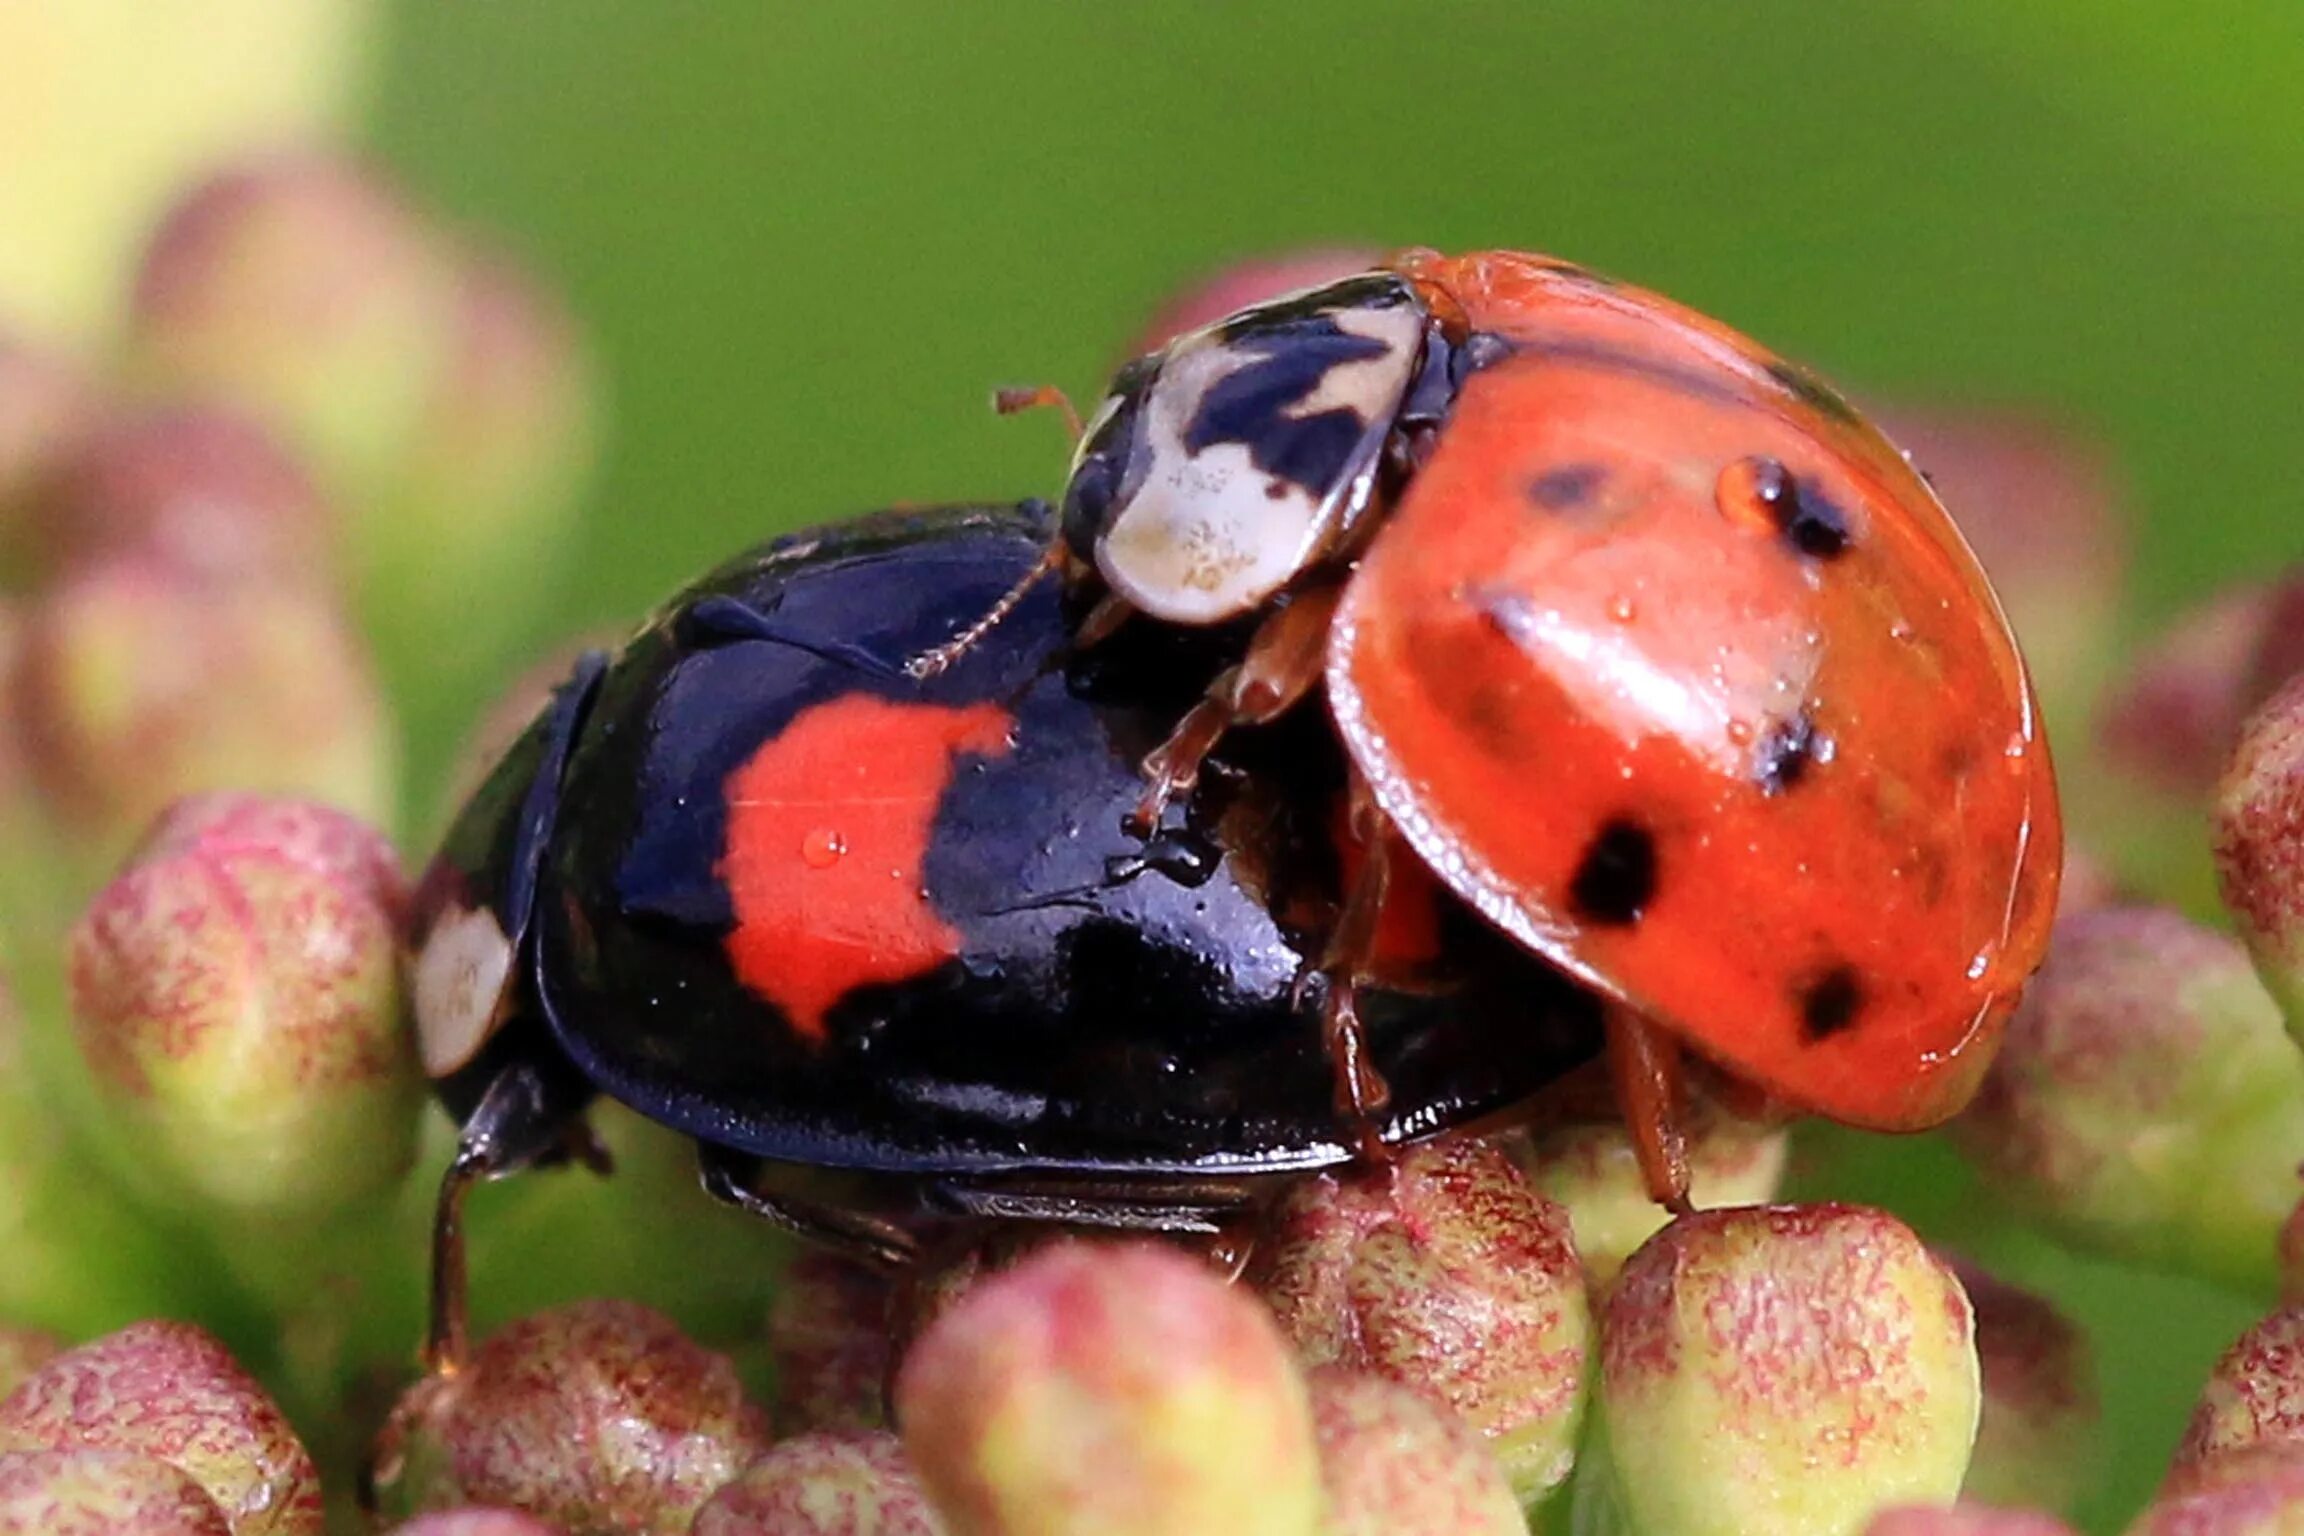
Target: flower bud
x,y
474,1521
1965,1520
102,1493
171,1392
1591,1168
1395,1463
303,291
1449,1272
138,683
823,1485
828,1337
462,536
117,102
2162,738
2259,840
2254,1398
1121,1389
200,490
1789,1369
2145,1102
236,995
2036,1442
23,1351
1250,282
2039,506
601,1417
2268,1502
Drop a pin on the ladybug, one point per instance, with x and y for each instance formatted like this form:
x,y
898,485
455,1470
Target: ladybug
x,y
880,945
1637,637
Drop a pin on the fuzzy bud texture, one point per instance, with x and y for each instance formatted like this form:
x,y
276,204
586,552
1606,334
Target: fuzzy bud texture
x,y
828,1336
1447,1271
1396,1463
2268,1502
102,1493
1109,1390
236,994
171,1392
600,1416
2259,837
1965,1520
824,1485
474,1521
2254,1398
1789,1369
2145,1102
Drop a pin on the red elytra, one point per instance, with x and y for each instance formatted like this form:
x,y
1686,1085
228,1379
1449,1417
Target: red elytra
x,y
1642,556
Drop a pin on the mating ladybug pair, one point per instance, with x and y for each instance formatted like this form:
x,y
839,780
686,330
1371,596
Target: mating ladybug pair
x,y
1663,708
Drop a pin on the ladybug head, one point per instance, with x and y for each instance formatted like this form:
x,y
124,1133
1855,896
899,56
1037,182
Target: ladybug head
x,y
1220,467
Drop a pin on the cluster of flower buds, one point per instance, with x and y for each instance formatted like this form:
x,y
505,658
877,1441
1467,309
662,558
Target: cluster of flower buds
x,y
320,392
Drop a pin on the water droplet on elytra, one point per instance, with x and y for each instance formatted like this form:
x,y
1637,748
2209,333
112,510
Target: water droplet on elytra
x,y
822,847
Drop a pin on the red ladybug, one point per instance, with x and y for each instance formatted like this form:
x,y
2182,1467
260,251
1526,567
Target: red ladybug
x,y
1638,636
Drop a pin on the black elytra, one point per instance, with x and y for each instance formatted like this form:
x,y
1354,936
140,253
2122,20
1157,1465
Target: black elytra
x,y
1112,1013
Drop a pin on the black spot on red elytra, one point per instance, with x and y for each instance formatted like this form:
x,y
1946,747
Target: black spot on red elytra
x,y
1786,751
1616,878
1810,521
1829,1002
1566,487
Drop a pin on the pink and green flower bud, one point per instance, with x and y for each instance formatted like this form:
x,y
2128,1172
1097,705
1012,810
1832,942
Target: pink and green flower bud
x,y
2279,658
23,1351
1591,1168
171,1392
828,1338
824,1485
2040,507
1790,1369
461,538
2269,1501
236,997
2259,840
2146,1102
1253,281
2037,1441
138,683
1394,1462
1122,1389
47,407
1966,1520
601,1417
303,291
89,1492
1450,1272
205,491
2253,1401
2162,738
474,1521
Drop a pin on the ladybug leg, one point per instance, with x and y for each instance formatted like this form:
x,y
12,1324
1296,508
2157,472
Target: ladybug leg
x,y
1015,401
1285,659
1195,1209
1646,1065
881,1246
1361,1092
531,1113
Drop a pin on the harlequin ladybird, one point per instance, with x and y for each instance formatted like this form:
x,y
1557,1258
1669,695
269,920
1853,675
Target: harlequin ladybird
x,y
752,879
1641,639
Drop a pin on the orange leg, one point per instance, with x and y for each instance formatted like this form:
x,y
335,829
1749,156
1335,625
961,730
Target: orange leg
x,y
1285,659
1646,1065
1010,402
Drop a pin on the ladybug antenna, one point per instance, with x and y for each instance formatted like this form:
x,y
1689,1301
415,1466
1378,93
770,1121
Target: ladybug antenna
x,y
930,663
1010,402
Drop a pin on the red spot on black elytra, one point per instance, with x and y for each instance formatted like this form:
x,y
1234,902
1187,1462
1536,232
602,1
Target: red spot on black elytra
x,y
863,776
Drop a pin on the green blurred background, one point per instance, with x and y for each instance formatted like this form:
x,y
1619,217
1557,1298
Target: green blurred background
x,y
810,239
